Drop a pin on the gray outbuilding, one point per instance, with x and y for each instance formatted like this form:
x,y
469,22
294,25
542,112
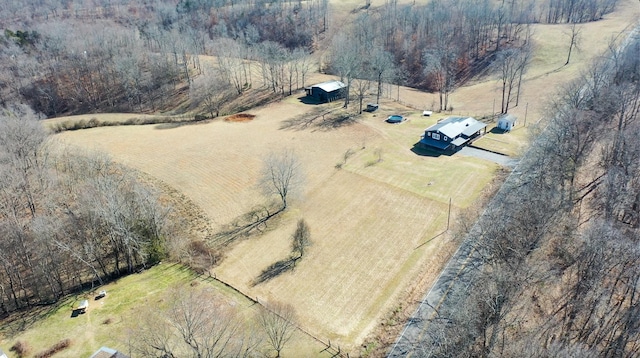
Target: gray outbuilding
x,y
507,122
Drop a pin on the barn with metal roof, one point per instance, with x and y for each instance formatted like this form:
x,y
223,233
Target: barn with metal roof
x,y
327,91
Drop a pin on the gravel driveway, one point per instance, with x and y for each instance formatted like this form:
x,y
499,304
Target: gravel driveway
x,y
484,154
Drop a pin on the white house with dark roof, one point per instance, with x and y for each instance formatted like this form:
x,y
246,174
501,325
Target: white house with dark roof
x,y
327,91
452,133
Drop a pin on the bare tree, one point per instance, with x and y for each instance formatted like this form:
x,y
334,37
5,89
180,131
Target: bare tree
x,y
574,39
195,324
346,61
301,238
277,322
360,87
440,62
382,67
212,91
231,64
511,63
21,141
282,175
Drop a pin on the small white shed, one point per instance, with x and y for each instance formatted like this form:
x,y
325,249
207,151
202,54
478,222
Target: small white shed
x,y
2,355
507,122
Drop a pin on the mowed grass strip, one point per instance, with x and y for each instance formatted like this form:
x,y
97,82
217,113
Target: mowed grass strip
x,y
88,331
364,232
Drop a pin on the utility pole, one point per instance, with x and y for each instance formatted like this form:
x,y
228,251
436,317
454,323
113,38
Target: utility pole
x,y
449,215
526,108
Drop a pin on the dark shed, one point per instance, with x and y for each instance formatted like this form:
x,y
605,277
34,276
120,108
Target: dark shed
x,y
327,91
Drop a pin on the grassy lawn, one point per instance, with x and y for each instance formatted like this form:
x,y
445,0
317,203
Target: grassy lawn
x,y
430,174
107,320
509,143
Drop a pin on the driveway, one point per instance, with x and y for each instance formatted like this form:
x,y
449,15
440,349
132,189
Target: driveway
x,y
487,155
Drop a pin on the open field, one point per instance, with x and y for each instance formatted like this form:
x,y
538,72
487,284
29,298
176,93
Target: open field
x,y
366,219
374,217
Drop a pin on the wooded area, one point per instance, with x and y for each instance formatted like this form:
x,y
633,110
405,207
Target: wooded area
x,y
67,219
60,63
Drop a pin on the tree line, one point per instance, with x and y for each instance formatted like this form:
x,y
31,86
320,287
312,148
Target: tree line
x,y
60,63
439,45
68,220
555,266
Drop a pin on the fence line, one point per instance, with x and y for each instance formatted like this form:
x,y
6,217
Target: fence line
x,y
329,348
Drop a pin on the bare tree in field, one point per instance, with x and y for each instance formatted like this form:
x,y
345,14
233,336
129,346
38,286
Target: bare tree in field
x,y
278,325
195,324
231,64
282,175
360,86
301,238
574,39
511,64
382,68
303,64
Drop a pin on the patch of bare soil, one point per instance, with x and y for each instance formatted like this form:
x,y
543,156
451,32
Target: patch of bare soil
x,y
240,117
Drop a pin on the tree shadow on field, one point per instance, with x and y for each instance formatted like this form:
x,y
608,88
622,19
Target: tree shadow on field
x,y
320,118
276,269
16,322
252,223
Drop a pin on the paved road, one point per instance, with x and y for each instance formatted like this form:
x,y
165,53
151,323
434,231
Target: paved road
x,y
414,331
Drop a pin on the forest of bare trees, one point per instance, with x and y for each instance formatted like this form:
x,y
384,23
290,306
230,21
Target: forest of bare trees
x,y
439,45
555,269
67,219
58,62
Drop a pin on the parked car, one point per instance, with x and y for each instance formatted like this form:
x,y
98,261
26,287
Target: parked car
x,y
101,294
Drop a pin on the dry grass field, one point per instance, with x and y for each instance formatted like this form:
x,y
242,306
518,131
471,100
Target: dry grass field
x,y
366,219
374,218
